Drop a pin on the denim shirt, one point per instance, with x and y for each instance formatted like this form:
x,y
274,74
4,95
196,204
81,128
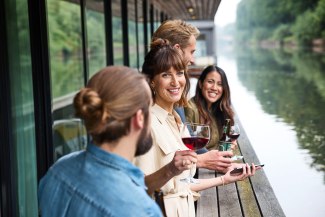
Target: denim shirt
x,y
94,183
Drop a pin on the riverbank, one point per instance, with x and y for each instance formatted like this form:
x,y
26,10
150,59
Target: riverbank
x,y
316,45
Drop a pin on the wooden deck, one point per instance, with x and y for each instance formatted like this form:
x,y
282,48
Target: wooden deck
x,y
252,197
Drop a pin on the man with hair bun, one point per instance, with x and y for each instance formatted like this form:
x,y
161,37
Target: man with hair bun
x,y
101,180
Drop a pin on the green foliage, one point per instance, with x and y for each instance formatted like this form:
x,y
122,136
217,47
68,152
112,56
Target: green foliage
x,y
96,32
306,16
281,32
306,27
320,14
96,41
261,33
242,36
64,34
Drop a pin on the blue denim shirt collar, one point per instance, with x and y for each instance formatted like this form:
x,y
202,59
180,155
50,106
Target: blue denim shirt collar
x,y
117,162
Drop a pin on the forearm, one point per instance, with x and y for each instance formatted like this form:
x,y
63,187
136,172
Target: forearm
x,y
158,179
205,161
200,161
208,183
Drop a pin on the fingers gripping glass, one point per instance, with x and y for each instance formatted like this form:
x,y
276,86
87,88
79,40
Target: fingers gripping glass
x,y
195,136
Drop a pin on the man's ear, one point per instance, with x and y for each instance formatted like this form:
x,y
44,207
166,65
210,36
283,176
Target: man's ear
x,y
138,119
177,46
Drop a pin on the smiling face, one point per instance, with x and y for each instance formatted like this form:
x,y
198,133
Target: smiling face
x,y
212,88
168,87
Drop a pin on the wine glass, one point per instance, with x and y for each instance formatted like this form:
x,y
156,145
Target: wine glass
x,y
195,136
234,133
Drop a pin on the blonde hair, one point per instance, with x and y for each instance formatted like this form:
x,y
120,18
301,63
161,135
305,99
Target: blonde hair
x,y
109,101
176,32
162,57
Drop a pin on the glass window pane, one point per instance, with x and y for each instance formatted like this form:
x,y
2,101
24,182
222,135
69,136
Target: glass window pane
x,y
132,34
148,27
201,46
157,19
64,26
117,33
67,74
22,120
140,34
95,35
149,35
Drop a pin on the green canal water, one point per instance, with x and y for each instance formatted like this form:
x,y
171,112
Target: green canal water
x,y
280,99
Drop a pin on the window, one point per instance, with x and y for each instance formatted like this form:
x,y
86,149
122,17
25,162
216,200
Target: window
x,y
22,120
140,33
96,35
117,33
67,74
132,36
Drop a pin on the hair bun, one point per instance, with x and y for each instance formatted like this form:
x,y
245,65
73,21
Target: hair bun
x,y
159,43
89,106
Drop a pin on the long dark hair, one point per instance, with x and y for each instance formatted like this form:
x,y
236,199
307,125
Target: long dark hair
x,y
221,109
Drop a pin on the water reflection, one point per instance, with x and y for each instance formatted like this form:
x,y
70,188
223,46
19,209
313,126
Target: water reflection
x,y
290,86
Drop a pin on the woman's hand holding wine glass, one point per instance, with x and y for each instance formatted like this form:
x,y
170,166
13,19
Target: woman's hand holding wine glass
x,y
182,161
195,136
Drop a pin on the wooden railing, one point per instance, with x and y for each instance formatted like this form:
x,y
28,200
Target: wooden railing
x,y
251,197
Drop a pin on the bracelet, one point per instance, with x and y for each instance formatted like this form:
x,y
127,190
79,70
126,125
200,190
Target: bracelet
x,y
223,180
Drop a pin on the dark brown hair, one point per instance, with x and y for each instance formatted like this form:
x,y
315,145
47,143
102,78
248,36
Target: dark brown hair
x,y
108,102
221,109
161,58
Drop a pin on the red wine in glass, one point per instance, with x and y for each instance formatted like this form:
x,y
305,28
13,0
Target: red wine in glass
x,y
194,136
233,136
234,132
195,143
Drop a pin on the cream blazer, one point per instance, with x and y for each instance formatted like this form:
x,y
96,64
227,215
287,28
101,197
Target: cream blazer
x,y
178,198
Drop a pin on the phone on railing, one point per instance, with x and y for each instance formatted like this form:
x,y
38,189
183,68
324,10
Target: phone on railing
x,y
240,169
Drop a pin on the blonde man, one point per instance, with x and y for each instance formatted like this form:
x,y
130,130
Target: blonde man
x,y
181,35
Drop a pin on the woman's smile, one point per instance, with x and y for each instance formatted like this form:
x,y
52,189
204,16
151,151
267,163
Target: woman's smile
x,y
169,87
212,94
174,91
212,87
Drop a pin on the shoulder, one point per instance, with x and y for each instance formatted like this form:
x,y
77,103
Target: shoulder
x,y
117,201
67,163
191,109
191,104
